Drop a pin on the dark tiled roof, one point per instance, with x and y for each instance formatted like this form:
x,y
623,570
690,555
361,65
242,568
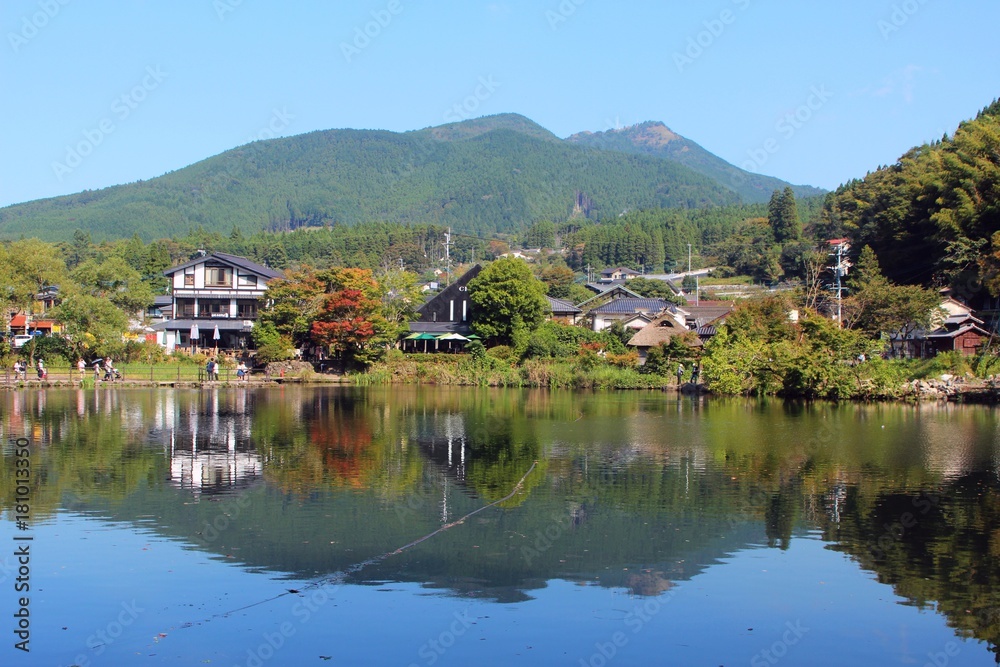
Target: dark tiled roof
x,y
558,306
945,333
233,260
204,326
632,305
162,300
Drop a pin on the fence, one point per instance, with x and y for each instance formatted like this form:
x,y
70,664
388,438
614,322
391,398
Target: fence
x,y
129,373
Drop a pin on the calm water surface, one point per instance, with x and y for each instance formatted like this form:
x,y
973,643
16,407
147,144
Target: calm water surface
x,y
284,527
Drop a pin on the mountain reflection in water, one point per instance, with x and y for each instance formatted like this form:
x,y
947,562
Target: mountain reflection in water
x,y
630,491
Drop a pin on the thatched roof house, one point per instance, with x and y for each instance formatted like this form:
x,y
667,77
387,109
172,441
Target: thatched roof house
x,y
659,331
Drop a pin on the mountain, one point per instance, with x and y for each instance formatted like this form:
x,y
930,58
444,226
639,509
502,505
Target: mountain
x,y
489,175
655,139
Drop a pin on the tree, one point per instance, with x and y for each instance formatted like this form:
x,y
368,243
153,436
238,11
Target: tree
x,y
655,289
292,303
557,278
540,235
510,302
92,325
115,280
878,306
783,216
349,322
400,296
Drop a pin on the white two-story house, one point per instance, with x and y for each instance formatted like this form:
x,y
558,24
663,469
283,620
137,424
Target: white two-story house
x,y
214,301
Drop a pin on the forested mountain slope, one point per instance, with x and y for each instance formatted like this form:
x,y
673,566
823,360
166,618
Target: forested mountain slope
x,y
934,216
492,175
656,139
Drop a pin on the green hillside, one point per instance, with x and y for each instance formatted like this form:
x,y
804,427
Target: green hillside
x,y
934,216
657,140
490,175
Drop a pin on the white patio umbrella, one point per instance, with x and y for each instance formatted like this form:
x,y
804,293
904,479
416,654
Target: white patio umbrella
x,y
195,334
216,337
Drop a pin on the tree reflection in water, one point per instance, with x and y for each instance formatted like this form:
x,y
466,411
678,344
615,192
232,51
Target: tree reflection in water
x,y
630,491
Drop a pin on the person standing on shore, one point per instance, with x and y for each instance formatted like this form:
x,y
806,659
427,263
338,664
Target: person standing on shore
x,y
680,373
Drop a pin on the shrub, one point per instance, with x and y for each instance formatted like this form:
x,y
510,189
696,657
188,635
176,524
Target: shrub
x,y
502,352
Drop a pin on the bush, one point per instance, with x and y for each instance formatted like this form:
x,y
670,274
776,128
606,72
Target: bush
x,y
53,349
951,362
145,352
501,352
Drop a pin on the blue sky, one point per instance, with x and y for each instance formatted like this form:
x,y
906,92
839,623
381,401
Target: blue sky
x,y
100,93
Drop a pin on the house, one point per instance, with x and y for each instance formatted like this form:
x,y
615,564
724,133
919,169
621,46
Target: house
x,y
161,309
617,274
47,299
704,312
962,333
563,311
660,330
631,312
213,291
25,324
450,310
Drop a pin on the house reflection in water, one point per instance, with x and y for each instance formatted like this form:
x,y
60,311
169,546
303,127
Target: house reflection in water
x,y
209,444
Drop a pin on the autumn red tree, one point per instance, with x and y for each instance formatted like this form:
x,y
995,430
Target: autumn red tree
x,y
349,322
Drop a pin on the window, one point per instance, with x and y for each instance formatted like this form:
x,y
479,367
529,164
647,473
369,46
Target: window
x,y
189,280
246,309
214,307
218,276
185,308
247,281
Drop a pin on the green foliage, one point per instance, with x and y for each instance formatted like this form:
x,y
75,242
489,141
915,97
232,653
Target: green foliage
x,y
510,302
540,235
55,350
933,213
93,325
271,345
759,352
558,279
115,280
878,306
783,216
655,289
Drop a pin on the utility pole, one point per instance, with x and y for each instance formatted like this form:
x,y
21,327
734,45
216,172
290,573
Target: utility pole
x,y
840,267
589,279
447,252
689,258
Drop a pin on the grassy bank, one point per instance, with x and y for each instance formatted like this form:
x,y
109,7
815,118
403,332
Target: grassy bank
x,y
464,370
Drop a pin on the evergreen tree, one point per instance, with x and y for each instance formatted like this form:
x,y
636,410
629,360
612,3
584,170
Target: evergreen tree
x,y
783,216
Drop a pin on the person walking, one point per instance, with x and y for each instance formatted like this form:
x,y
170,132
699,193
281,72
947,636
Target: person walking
x,y
97,368
40,368
680,373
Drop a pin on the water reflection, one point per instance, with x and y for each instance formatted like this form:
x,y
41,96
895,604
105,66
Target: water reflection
x,y
629,492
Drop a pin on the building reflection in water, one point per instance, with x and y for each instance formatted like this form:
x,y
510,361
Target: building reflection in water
x,y
208,441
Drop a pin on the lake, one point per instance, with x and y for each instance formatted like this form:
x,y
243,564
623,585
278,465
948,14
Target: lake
x,y
445,526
